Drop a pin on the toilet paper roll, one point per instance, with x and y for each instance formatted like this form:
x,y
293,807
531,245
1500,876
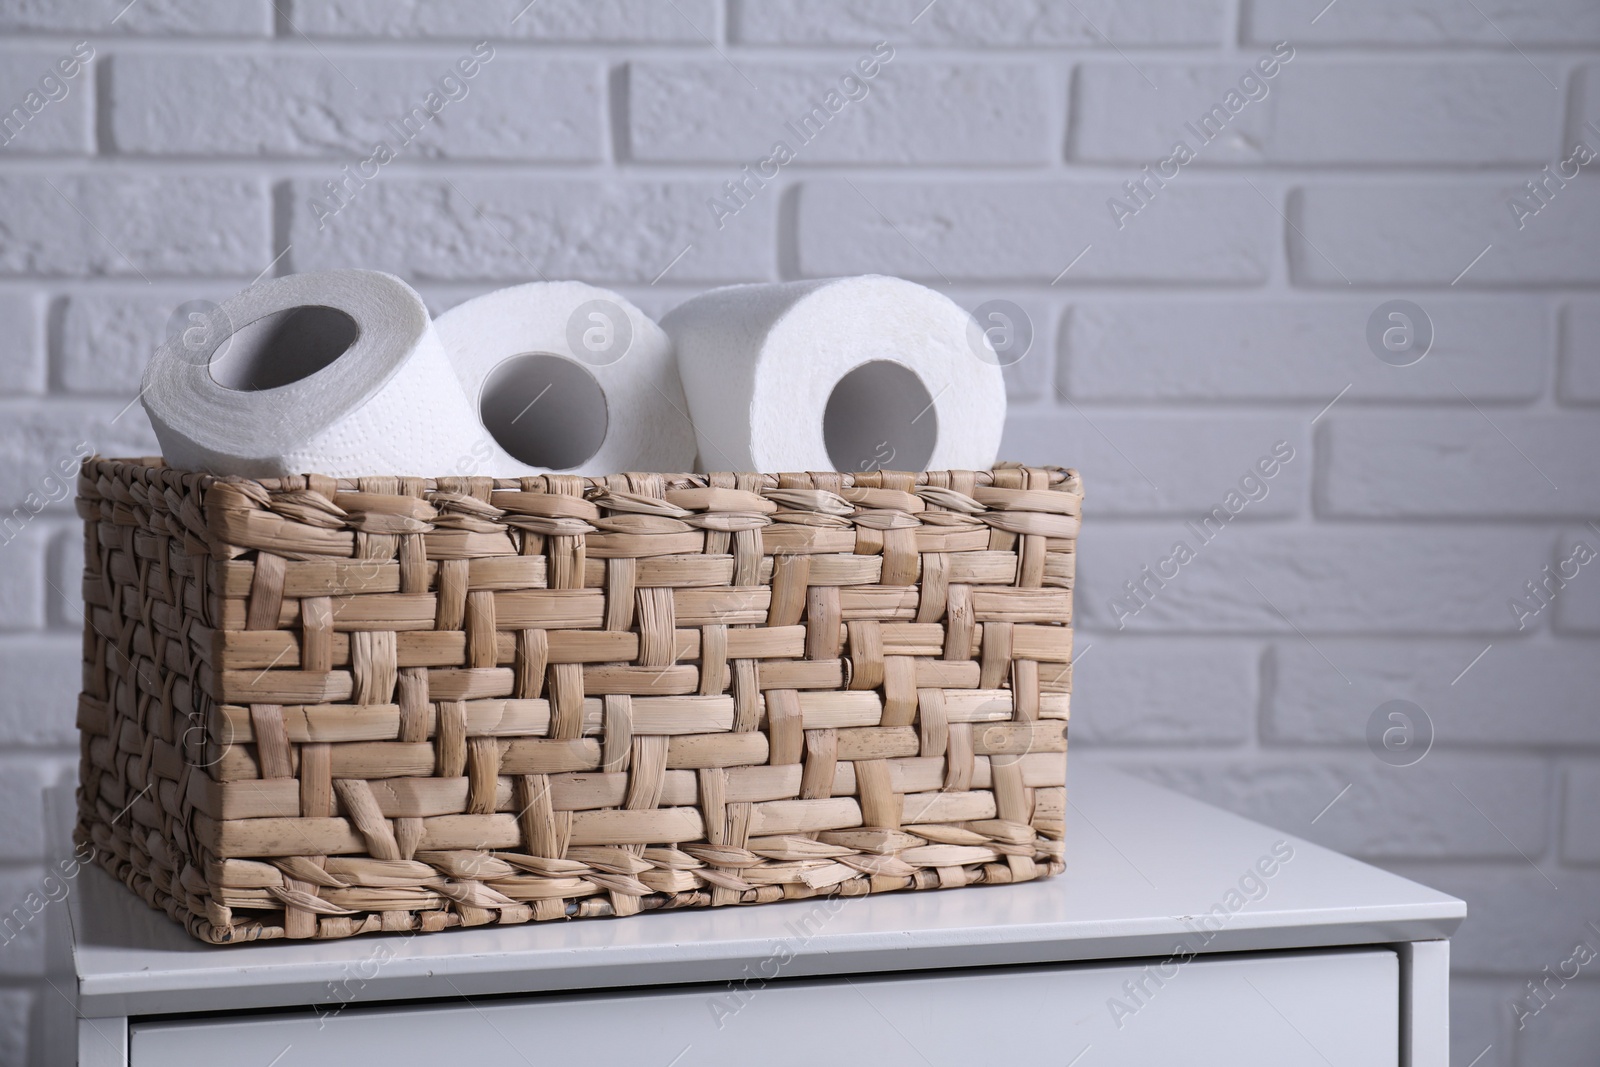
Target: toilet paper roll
x,y
847,374
569,377
333,372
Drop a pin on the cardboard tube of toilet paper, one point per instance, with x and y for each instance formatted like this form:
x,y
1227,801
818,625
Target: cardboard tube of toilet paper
x,y
333,372
571,378
847,374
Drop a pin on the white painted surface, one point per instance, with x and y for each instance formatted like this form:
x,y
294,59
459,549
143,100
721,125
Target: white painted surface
x,y
1425,1003
1145,868
1332,1007
103,1042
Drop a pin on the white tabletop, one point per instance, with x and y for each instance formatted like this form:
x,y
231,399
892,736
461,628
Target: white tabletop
x,y
1143,866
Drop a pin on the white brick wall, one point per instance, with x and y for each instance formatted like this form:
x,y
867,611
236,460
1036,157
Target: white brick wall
x,y
1176,341
1026,232
1426,231
265,105
1317,112
1304,348
912,112
65,223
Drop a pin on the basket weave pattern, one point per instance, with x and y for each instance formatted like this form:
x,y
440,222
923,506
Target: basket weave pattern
x,y
319,708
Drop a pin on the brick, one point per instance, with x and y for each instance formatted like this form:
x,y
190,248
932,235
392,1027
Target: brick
x,y
39,706
1187,349
22,362
1565,23
552,21
1185,691
344,107
1408,812
86,225
1517,922
1480,1021
42,443
16,1008
1429,233
1169,463
165,18
596,229
22,926
22,571
1567,1030
1314,112
1466,464
41,109
105,338
1580,828
1308,701
1031,231
969,23
1586,115
23,779
1580,340
911,111
1348,579
1577,603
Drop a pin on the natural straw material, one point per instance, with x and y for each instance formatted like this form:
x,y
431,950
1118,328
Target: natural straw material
x,y
319,708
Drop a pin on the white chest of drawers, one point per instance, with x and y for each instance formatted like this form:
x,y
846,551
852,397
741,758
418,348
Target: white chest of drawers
x,y
1178,934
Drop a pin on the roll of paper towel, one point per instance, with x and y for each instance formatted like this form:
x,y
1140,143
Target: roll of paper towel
x,y
569,377
333,372
847,374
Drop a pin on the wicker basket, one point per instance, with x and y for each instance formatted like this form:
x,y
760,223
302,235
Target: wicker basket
x,y
319,708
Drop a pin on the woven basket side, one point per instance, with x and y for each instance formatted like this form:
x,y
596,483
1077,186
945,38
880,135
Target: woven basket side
x,y
318,708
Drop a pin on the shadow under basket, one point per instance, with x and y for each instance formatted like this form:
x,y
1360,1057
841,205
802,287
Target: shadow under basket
x,y
317,708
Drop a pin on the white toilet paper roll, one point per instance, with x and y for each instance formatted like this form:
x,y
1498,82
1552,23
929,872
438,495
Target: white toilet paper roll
x,y
569,377
848,374
333,372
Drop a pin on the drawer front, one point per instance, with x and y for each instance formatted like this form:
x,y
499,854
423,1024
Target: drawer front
x,y
1336,1007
